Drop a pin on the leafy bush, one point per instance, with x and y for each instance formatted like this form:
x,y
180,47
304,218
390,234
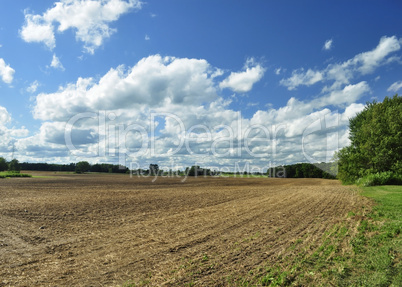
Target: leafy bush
x,y
381,178
14,174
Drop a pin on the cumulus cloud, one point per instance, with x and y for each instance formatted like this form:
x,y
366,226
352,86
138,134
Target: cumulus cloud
x,y
56,63
242,82
4,116
8,135
37,29
328,45
90,19
153,81
166,109
6,72
348,95
342,73
395,87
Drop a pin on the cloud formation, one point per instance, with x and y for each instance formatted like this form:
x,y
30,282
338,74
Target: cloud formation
x,y
242,82
342,73
6,72
395,87
8,135
89,19
299,77
154,81
56,63
328,45
33,87
166,109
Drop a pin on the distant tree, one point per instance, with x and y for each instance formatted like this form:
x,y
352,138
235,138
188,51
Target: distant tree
x,y
14,166
376,141
196,170
3,164
82,166
153,169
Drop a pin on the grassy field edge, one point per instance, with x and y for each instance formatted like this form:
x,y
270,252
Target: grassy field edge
x,y
363,250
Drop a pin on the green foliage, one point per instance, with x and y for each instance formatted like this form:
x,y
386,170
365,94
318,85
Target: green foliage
x,y
13,174
14,166
47,166
196,170
153,169
376,141
306,170
99,167
3,164
82,166
110,168
380,178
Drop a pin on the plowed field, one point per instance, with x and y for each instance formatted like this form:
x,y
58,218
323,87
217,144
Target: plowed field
x,y
103,230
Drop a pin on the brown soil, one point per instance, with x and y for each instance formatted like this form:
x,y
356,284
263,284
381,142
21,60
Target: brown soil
x,y
103,230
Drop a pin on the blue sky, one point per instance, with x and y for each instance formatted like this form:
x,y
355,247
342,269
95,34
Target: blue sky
x,y
224,84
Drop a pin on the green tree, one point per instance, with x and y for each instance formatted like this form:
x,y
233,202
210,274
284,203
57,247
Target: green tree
x,y
376,141
3,164
14,166
153,169
82,166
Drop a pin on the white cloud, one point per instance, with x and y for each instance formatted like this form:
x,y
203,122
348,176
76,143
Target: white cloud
x,y
278,71
33,87
56,63
89,19
194,125
395,87
328,45
6,72
343,73
367,62
37,29
9,135
4,116
153,81
242,82
299,77
351,111
348,95
147,38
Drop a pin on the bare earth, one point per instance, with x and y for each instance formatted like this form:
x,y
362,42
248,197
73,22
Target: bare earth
x,y
104,230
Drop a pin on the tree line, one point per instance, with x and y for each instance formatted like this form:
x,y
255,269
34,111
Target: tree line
x,y
12,166
79,167
305,170
374,155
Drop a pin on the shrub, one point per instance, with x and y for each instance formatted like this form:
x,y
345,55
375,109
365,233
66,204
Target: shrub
x,y
381,178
